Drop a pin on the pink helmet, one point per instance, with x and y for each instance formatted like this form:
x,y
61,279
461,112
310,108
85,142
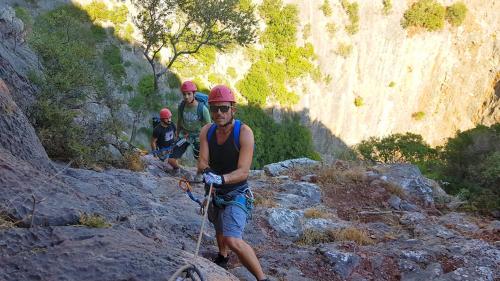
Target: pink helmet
x,y
165,113
188,86
221,93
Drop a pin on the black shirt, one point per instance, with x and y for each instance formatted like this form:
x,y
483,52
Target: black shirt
x,y
164,135
224,159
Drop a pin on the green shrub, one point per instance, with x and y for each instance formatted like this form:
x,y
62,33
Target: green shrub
x,y
24,16
280,62
392,84
418,115
352,10
358,101
113,60
119,14
94,221
344,50
396,148
428,14
173,81
331,28
289,138
455,14
97,11
306,31
328,79
231,72
471,162
387,7
326,8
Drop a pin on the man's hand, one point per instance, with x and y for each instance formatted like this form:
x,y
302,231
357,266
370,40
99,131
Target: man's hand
x,y
209,177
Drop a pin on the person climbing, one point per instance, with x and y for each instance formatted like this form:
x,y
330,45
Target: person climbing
x,y
226,151
163,138
192,116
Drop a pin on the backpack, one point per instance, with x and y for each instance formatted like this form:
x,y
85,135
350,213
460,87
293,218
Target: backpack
x,y
202,102
155,121
237,128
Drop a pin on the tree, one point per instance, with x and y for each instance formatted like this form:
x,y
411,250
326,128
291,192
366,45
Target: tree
x,y
187,25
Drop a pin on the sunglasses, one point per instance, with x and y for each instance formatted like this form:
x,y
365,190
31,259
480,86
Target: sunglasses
x,y
222,108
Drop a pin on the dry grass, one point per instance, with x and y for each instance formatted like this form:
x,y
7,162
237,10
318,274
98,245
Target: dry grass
x,y
132,161
394,188
5,222
342,174
314,213
313,237
94,220
265,198
360,236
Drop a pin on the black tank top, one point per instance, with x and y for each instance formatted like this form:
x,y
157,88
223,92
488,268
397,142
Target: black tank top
x,y
224,159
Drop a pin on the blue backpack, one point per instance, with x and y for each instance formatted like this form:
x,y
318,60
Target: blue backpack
x,y
202,102
237,128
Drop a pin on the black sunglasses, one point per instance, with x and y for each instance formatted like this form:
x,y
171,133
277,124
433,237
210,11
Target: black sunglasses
x,y
222,108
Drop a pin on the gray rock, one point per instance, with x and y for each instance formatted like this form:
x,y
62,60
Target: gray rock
x,y
324,224
343,263
309,191
286,222
283,167
479,273
309,178
430,273
412,218
394,202
80,253
408,265
407,206
114,153
494,225
256,174
410,179
458,221
419,256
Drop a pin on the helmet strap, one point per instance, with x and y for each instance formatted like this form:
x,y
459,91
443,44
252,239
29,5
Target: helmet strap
x,y
228,123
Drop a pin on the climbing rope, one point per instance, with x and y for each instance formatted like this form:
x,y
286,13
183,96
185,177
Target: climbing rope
x,y
185,185
189,269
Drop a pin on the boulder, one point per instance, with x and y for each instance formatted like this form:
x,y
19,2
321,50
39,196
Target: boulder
x,y
281,168
286,222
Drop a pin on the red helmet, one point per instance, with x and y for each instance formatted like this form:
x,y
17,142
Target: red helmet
x,y
221,93
188,86
165,113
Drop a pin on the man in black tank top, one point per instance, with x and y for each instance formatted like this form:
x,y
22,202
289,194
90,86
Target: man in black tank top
x,y
225,163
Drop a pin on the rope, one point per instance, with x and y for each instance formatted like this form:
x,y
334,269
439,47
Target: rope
x,y
188,268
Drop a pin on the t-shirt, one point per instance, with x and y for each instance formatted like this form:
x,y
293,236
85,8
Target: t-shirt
x,y
164,135
189,121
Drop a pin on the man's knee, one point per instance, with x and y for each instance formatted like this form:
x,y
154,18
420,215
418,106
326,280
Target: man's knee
x,y
233,243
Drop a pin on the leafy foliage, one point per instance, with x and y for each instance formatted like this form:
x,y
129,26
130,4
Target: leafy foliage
x,y
217,24
66,45
276,141
396,148
418,115
331,28
428,14
113,60
358,101
326,8
455,14
387,7
352,10
344,50
280,62
231,72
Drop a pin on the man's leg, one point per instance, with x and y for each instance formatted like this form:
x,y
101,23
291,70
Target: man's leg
x,y
246,255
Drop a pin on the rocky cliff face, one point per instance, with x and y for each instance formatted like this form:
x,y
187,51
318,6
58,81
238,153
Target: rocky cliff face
x,y
449,75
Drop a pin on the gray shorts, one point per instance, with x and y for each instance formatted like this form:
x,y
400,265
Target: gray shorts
x,y
229,220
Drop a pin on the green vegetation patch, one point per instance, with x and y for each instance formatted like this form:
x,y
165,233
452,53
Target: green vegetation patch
x,y
281,62
418,115
352,10
455,14
326,8
428,14
387,7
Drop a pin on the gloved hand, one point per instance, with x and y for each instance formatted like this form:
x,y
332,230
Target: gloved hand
x,y
210,177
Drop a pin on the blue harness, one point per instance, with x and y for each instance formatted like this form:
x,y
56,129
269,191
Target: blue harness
x,y
243,201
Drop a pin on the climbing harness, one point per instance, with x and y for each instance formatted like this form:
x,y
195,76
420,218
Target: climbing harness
x,y
243,202
189,270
